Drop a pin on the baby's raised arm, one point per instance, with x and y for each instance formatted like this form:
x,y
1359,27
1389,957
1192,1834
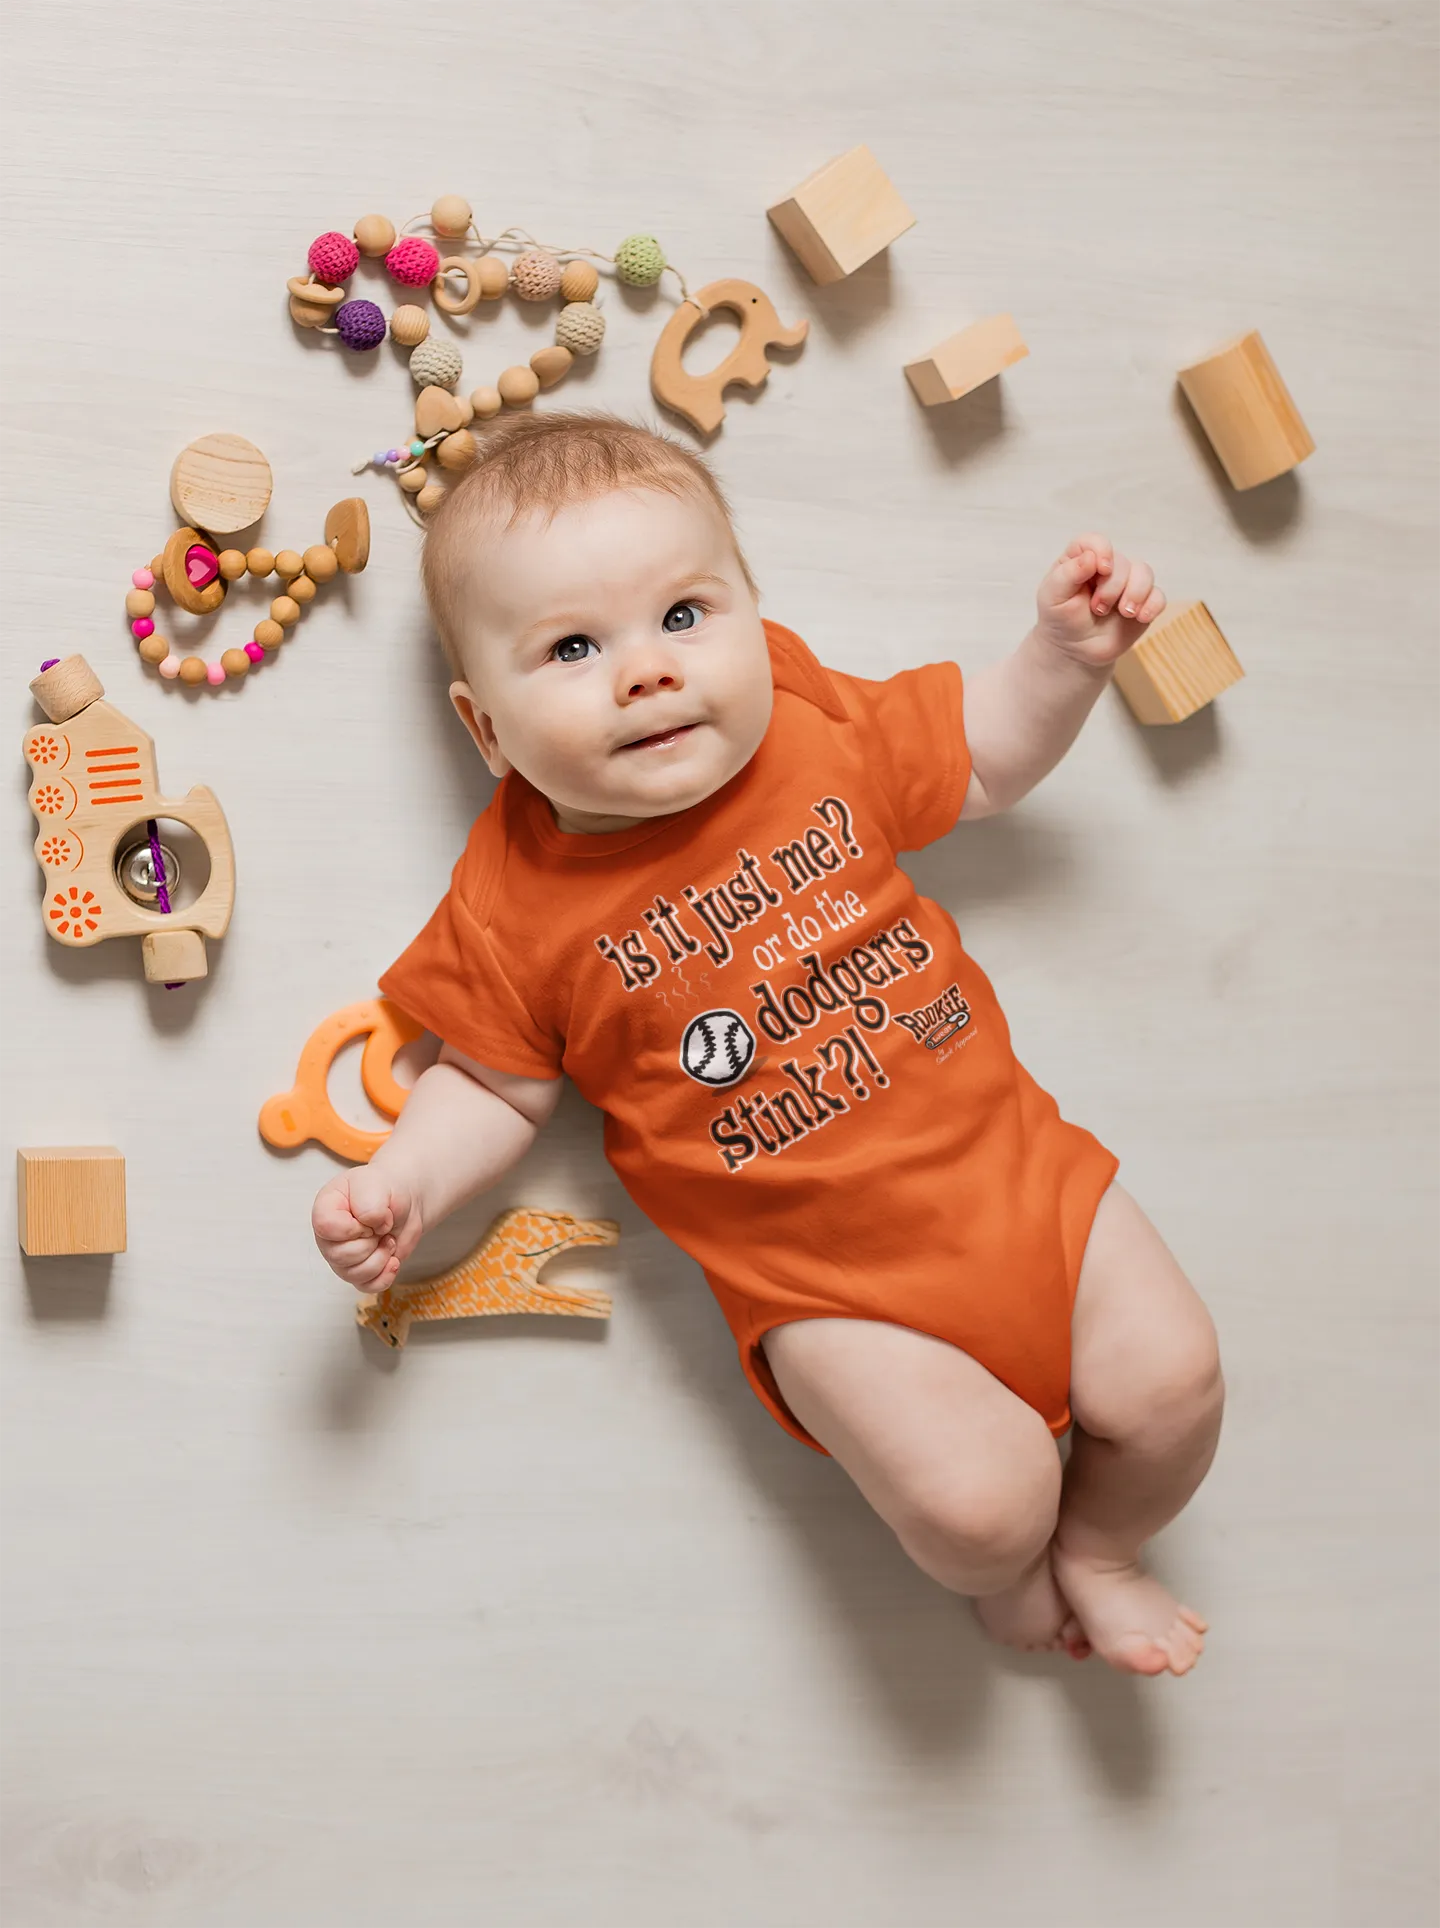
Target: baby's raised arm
x,y
463,1127
1023,713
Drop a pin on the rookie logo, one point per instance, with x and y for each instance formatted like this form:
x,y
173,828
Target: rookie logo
x,y
717,1048
935,1024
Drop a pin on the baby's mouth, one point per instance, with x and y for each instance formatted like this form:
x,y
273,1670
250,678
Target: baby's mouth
x,y
661,739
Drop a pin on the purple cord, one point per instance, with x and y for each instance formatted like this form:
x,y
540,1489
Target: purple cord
x,y
49,664
157,864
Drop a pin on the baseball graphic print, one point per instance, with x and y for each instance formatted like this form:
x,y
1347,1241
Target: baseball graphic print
x,y
717,1048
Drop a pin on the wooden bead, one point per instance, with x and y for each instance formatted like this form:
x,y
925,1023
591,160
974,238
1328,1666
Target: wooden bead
x,y
232,564
287,563
235,662
347,531
155,648
308,314
193,670
321,562
457,451
453,304
139,602
451,215
467,411
551,364
374,234
284,610
302,590
486,402
437,411
259,562
409,326
579,281
430,498
518,385
493,271
412,481
157,564
268,634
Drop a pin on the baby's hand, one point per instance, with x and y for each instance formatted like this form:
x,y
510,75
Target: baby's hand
x,y
1094,603
365,1226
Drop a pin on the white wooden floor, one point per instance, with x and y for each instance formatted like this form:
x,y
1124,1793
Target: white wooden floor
x,y
555,1628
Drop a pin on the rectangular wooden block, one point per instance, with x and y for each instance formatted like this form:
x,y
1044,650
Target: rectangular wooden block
x,y
964,361
1181,663
71,1199
173,957
842,216
1246,410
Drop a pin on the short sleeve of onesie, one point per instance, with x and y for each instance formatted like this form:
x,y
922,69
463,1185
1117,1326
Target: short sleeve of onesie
x,y
914,729
455,980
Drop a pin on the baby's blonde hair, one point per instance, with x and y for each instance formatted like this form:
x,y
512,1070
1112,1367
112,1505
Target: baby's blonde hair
x,y
532,463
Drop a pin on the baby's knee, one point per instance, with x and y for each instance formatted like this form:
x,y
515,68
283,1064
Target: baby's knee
x,y
978,1530
1181,1397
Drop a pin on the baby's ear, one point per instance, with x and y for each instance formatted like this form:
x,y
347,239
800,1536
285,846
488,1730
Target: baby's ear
x,y
480,728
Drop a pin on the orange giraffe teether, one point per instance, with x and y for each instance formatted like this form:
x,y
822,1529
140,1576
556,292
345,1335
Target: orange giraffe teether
x,y
305,1111
697,397
500,1275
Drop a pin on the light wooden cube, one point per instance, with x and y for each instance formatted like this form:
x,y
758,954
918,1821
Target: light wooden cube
x,y
71,1199
173,957
964,361
1246,410
842,216
1180,664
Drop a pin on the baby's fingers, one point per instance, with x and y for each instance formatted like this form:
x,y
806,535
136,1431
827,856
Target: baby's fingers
x,y
1136,591
354,1251
331,1216
372,1274
1067,578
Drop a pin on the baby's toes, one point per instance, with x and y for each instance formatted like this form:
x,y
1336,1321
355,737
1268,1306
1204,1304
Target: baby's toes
x,y
1184,1645
1192,1619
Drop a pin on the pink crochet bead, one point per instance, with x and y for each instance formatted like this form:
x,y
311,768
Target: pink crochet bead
x,y
214,672
333,258
142,627
256,652
170,668
413,262
143,579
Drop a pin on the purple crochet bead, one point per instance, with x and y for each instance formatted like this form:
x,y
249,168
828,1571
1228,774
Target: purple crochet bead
x,y
360,324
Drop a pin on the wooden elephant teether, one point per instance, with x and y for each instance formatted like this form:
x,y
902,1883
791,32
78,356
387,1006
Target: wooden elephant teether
x,y
697,397
96,796
305,1111
500,1275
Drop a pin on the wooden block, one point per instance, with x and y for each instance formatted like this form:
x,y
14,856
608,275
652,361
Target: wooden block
x,y
1246,410
842,216
221,483
173,957
977,354
71,1199
1181,663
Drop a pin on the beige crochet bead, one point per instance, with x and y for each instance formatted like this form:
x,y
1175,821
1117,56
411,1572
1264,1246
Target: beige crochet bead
x,y
235,662
536,275
580,328
374,234
409,326
551,364
430,498
321,562
518,386
457,451
486,402
579,281
451,215
494,273
412,481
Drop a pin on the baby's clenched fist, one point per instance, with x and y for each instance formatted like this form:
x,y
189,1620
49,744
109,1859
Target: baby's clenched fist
x,y
366,1225
1094,602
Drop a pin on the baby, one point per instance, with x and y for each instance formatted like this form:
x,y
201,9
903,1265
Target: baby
x,y
684,894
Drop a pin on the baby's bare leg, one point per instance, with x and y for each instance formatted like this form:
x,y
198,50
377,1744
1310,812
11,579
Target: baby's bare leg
x,y
965,1474
1147,1395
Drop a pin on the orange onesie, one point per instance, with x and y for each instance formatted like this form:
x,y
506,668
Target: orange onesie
x,y
806,1082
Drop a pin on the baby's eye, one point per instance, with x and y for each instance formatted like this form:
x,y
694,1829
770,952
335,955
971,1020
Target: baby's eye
x,y
682,616
572,649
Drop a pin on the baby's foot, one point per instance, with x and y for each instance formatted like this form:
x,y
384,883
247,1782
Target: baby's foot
x,y
1129,1618
1033,1615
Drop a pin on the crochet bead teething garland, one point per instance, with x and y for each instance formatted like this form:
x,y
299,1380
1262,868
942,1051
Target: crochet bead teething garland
x,y
222,482
442,419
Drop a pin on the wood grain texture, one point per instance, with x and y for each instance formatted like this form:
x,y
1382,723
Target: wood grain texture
x,y
1245,408
553,1625
70,1200
1180,664
963,361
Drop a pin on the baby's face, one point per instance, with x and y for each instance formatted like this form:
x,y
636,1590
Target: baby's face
x,y
614,656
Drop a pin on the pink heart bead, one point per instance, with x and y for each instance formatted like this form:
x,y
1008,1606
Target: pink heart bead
x,y
202,565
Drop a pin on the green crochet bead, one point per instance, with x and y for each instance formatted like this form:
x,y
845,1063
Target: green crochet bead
x,y
640,260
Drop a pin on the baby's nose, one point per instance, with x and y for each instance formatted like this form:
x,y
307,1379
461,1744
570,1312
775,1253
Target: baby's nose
x,y
643,677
